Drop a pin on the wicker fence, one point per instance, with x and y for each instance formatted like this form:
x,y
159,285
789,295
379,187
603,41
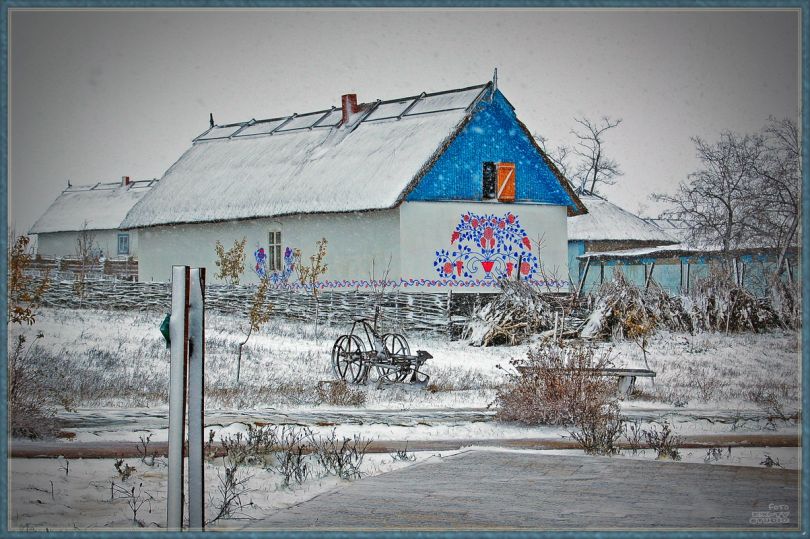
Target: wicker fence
x,y
400,310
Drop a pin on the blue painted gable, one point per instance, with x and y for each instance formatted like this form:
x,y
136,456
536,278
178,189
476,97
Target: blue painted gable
x,y
493,134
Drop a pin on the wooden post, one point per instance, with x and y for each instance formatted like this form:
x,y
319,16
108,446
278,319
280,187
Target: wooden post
x,y
196,408
584,276
601,272
178,330
688,274
648,276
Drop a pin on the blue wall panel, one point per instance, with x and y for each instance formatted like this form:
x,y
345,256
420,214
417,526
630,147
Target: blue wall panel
x,y
493,134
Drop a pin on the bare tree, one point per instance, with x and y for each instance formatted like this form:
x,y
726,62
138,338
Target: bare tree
x,y
778,189
594,166
585,164
308,275
717,201
88,257
559,155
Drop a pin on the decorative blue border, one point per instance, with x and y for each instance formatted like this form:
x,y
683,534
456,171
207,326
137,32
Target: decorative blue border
x,y
803,5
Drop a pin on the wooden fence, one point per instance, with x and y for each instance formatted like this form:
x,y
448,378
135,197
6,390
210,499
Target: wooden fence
x,y
400,311
65,268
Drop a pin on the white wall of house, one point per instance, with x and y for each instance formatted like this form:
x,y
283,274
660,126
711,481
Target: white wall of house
x,y
426,227
63,244
359,244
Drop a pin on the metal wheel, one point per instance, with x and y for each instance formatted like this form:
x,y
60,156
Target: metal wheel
x,y
396,345
347,358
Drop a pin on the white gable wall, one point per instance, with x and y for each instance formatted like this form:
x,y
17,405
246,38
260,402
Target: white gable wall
x,y
359,243
427,227
63,244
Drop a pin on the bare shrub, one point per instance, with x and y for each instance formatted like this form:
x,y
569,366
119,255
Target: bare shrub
x,y
339,393
124,469
770,462
292,464
599,430
136,498
342,457
556,385
634,436
773,399
228,500
664,442
31,409
402,455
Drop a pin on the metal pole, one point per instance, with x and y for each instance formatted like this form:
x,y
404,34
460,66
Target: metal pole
x,y
196,399
178,330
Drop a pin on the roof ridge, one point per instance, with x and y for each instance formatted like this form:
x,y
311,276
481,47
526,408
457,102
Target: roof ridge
x,y
240,126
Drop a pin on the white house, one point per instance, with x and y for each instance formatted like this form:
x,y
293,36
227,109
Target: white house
x,y
98,209
434,192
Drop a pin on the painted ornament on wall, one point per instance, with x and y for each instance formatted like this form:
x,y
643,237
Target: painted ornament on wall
x,y
487,247
275,277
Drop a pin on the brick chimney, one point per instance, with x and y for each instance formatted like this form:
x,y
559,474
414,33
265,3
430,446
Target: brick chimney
x,y
125,181
349,104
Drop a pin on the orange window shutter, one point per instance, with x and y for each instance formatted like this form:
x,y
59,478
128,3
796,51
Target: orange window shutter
x,y
506,182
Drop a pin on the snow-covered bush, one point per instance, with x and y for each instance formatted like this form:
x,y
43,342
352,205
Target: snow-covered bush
x,y
556,385
515,314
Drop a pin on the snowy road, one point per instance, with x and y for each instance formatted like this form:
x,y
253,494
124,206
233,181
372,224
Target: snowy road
x,y
503,490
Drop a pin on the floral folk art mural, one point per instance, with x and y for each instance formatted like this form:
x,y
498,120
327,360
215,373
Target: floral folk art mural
x,y
487,247
275,277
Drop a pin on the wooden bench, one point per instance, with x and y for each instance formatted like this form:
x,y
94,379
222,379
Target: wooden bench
x,y
626,378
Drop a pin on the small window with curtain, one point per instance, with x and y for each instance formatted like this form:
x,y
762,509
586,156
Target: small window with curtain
x,y
274,251
123,244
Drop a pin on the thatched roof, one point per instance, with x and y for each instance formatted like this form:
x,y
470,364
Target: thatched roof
x,y
310,163
101,206
606,221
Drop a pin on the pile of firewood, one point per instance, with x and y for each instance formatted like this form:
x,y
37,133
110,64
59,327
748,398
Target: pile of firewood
x,y
515,314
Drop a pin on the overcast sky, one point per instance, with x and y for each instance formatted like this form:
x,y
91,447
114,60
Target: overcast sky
x,y
95,95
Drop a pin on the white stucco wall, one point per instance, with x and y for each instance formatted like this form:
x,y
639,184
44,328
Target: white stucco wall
x,y
359,243
64,243
427,227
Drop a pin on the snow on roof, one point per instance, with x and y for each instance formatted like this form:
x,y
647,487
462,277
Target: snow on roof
x,y
606,221
101,206
304,164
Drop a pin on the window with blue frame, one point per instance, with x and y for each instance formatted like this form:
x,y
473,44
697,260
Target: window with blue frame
x,y
123,244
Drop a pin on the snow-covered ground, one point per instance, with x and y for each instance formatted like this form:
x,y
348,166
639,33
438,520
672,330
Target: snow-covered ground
x,y
119,360
83,495
89,494
109,371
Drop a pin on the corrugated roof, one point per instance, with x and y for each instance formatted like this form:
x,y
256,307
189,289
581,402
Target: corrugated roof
x,y
102,206
606,221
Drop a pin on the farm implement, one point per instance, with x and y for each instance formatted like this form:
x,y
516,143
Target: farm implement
x,y
377,359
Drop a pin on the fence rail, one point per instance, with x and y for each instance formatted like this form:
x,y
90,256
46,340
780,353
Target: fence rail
x,y
406,311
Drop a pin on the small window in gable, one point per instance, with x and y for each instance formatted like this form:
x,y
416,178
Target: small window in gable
x,y
490,180
123,244
274,251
